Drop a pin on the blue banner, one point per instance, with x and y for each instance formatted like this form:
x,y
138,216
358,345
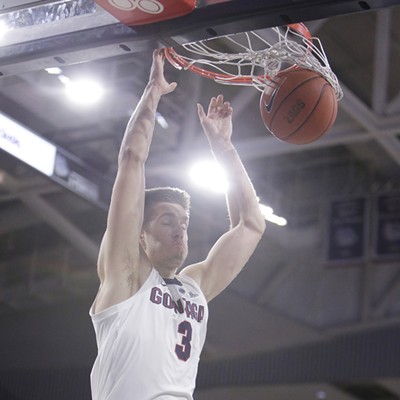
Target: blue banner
x,y
347,230
387,226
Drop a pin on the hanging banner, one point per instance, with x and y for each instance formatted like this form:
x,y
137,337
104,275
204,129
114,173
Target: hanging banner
x,y
347,229
387,226
26,145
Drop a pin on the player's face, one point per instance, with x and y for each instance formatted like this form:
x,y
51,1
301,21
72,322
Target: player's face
x,y
164,236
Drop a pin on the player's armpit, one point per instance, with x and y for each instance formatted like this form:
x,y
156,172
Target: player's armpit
x,y
225,260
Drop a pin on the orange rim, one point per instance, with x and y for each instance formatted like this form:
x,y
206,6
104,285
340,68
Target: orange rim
x,y
179,62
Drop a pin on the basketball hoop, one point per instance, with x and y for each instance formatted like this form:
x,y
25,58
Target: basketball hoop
x,y
251,59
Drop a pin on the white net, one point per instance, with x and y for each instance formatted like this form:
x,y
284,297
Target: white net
x,y
252,59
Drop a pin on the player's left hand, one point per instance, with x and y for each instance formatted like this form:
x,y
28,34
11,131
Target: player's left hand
x,y
217,124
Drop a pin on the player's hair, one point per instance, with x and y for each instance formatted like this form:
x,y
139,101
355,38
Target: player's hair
x,y
167,195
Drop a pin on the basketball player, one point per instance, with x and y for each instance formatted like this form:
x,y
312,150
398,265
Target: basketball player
x,y
150,321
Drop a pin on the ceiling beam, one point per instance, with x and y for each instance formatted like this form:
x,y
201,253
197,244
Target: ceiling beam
x,y
52,217
381,61
390,295
394,105
379,127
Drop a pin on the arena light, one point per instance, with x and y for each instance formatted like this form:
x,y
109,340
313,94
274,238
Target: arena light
x,y
54,70
161,120
63,79
268,214
209,175
84,92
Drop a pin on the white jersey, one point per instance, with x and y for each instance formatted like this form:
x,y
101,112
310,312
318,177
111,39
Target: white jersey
x,y
149,345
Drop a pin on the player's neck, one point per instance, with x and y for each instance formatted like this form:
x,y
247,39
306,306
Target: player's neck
x,y
166,272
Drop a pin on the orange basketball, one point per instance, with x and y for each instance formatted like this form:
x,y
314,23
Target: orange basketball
x,y
299,106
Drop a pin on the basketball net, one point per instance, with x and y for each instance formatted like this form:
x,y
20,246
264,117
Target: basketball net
x,y
250,59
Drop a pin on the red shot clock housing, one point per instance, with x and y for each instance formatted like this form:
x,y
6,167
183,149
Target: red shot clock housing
x,y
142,12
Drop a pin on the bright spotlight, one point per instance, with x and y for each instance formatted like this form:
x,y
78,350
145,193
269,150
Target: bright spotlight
x,y
53,70
266,210
84,91
161,121
268,214
209,175
275,219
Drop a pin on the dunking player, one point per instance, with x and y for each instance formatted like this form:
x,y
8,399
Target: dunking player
x,y
150,322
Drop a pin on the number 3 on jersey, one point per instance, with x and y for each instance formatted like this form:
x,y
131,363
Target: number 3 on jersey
x,y
183,350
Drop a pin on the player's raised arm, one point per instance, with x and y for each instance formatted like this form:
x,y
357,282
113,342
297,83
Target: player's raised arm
x,y
122,266
231,252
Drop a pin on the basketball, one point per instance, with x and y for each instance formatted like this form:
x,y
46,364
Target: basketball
x,y
298,106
